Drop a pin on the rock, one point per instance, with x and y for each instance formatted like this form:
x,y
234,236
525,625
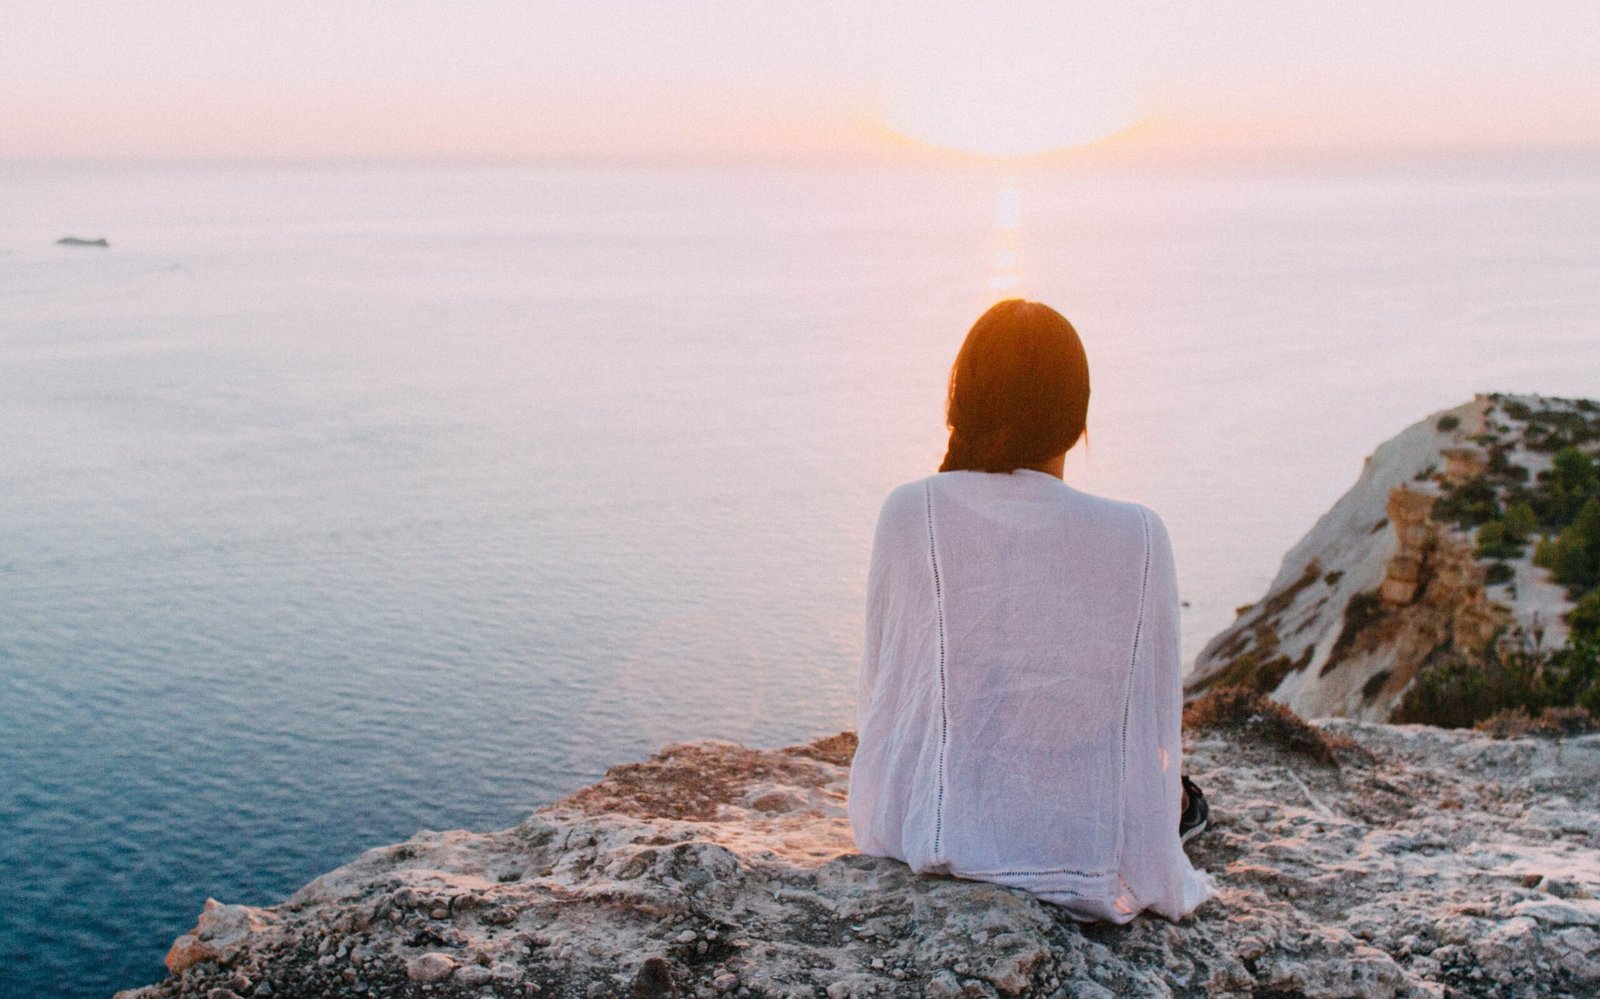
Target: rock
x,y
654,980
1560,912
430,967
75,241
219,934
1378,585
1331,882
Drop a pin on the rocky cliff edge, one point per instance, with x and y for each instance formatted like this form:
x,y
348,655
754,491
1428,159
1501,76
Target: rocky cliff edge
x,y
1412,862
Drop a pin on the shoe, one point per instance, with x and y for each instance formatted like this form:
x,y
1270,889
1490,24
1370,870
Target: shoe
x,y
1194,818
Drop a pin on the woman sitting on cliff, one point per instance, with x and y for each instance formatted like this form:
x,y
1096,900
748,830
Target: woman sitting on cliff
x,y
1019,699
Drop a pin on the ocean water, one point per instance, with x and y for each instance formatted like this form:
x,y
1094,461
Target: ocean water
x,y
337,503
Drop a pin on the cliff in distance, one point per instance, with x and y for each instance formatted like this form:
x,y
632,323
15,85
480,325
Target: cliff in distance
x,y
1388,861
1389,582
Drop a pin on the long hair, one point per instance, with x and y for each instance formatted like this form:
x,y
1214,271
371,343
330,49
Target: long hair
x,y
1019,390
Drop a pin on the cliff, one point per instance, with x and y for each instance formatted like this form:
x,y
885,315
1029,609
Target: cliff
x,y
1384,861
1383,586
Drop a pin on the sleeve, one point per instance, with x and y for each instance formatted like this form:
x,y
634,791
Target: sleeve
x,y
872,639
867,765
1154,867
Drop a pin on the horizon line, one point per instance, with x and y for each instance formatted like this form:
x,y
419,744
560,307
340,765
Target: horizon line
x,y
1091,157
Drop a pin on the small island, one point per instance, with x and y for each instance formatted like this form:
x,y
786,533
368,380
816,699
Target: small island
x,y
75,241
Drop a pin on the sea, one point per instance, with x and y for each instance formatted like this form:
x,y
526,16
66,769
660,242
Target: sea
x,y
339,502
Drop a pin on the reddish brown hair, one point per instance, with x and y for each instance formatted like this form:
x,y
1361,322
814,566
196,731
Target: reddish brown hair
x,y
1019,390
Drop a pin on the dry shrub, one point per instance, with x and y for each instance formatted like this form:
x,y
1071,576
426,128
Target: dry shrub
x,y
1263,719
1511,723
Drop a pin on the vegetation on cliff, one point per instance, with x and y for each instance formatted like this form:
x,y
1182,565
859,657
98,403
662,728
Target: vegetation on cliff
x,y
1560,512
1455,580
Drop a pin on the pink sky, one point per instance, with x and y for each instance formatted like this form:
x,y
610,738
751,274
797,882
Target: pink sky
x,y
696,81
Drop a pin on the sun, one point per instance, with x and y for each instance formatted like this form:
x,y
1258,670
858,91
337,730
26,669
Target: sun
x,y
1005,92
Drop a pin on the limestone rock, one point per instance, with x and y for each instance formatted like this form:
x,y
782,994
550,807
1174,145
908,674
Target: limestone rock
x,y
1378,585
221,932
1428,863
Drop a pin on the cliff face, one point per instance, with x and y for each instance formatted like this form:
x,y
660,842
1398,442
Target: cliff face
x,y
1380,587
1421,863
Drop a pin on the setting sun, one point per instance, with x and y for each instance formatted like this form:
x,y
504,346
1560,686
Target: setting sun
x,y
1004,91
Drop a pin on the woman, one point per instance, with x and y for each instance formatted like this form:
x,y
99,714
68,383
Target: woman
x,y
1019,699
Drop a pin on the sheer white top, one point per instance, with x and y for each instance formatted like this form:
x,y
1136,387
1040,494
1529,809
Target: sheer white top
x,y
1019,701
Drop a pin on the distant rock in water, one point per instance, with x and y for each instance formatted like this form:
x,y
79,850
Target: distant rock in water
x,y
1429,555
1408,861
75,241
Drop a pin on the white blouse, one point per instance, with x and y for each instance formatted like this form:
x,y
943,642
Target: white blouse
x,y
1019,702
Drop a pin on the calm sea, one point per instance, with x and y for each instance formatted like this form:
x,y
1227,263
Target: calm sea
x,y
340,503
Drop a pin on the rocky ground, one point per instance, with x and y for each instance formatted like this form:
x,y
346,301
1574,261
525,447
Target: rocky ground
x,y
1421,862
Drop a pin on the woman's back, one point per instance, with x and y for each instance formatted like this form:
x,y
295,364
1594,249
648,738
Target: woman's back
x,y
1019,694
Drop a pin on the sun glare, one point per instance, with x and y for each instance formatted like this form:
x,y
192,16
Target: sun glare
x,y
1004,91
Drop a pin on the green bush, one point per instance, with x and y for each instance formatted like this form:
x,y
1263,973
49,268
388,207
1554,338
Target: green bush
x,y
1573,556
1585,618
1563,490
1469,504
1460,691
1494,541
1520,522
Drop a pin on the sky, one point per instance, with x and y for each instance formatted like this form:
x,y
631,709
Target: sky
x,y
688,80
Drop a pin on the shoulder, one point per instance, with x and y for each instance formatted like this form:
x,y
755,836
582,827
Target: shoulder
x,y
907,502
1135,528
1134,517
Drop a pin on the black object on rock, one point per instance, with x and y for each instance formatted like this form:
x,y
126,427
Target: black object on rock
x,y
1196,816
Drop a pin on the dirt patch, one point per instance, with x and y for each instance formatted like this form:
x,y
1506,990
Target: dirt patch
x,y
693,782
837,749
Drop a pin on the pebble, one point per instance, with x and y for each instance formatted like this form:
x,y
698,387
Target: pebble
x,y
473,975
430,967
877,964
839,990
439,913
725,982
687,936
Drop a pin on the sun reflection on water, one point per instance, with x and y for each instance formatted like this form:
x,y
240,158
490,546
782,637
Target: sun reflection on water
x,y
1006,273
